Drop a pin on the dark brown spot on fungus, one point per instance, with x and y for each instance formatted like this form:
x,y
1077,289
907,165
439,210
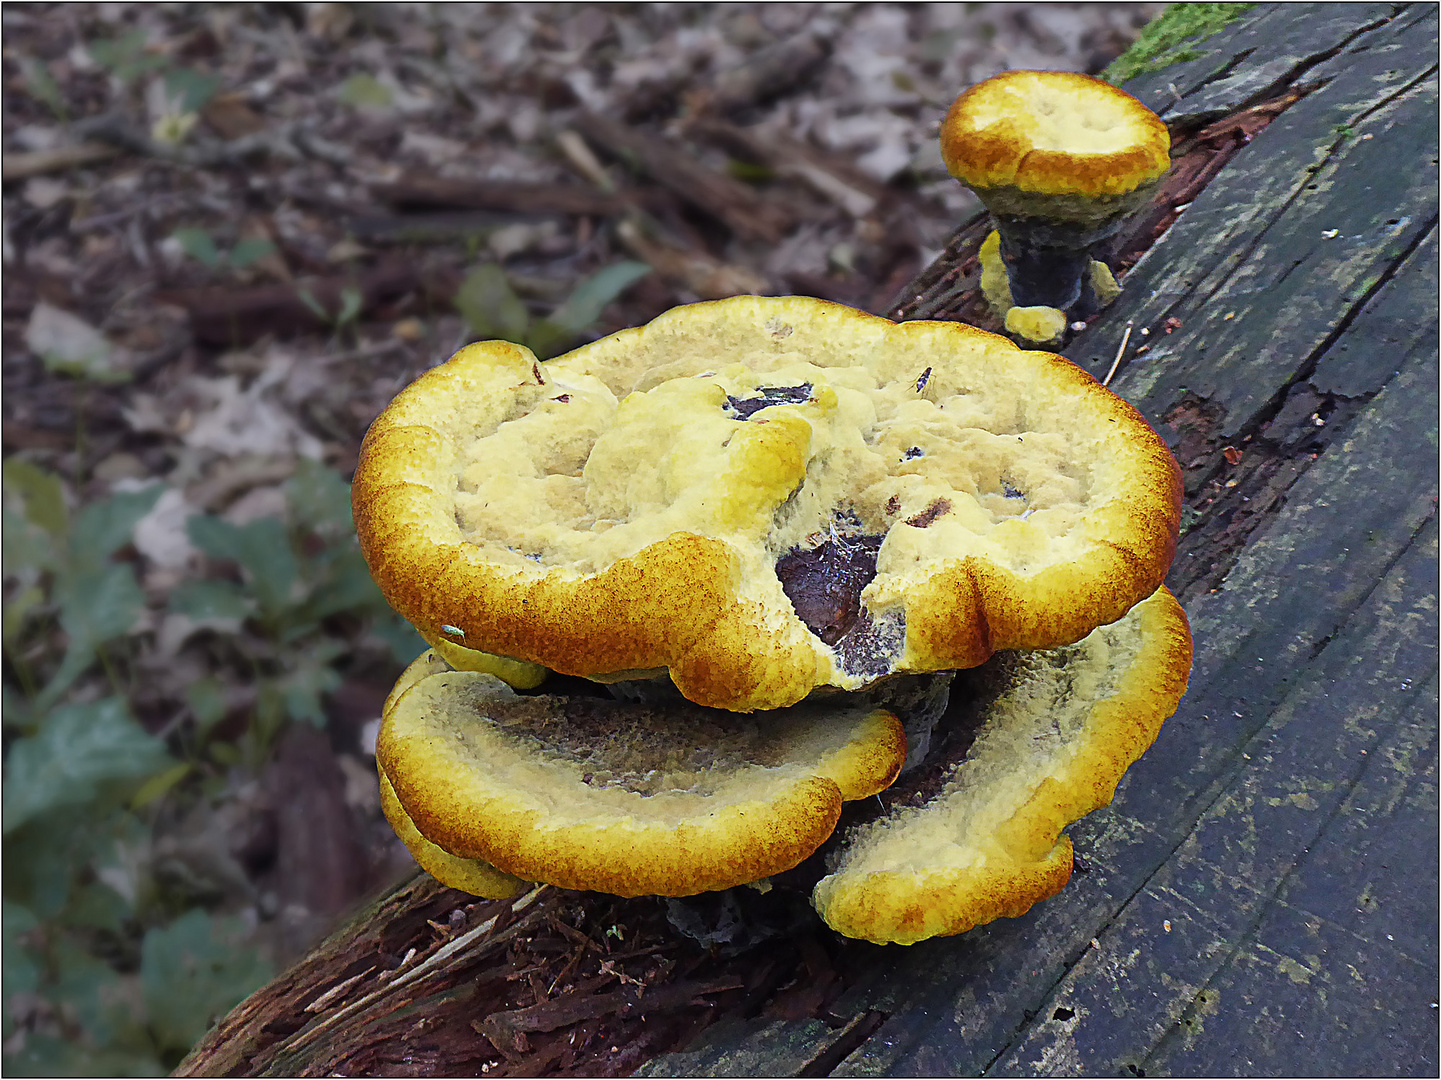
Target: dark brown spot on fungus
x,y
744,408
930,513
824,583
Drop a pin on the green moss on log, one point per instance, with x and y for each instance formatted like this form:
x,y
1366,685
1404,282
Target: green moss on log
x,y
1170,38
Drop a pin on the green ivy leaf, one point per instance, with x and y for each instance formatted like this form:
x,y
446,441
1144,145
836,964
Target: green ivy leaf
x,y
303,689
77,748
206,601
190,90
99,605
97,906
16,612
490,306
365,91
125,56
43,859
248,252
583,306
42,493
103,528
93,992
262,548
317,309
546,339
16,709
95,607
207,702
198,244
403,640
20,966
191,974
318,498
350,300
27,549
157,786
348,587
42,85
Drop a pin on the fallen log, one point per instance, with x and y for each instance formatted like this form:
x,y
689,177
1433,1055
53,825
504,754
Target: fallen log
x,y
23,165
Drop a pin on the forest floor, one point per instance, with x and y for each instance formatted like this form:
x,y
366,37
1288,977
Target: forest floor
x,y
231,235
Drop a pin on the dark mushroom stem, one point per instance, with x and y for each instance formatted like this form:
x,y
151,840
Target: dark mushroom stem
x,y
1049,244
1052,275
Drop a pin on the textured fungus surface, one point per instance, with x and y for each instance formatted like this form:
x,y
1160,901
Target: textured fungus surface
x,y
623,797
1055,133
764,496
1042,739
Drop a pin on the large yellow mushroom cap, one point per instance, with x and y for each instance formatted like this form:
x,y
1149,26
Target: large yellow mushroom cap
x,y
1053,133
763,496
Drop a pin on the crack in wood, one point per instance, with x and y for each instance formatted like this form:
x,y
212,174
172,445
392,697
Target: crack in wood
x,y
846,1042
1280,443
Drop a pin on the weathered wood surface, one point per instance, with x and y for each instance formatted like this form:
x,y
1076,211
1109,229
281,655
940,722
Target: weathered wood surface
x,y
1261,897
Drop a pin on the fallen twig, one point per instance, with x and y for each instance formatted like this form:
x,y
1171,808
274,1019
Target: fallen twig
x,y
748,213
708,278
223,315
1125,338
768,72
291,141
22,166
434,191
847,187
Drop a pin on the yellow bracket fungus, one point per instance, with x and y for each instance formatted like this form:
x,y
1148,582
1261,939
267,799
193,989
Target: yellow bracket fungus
x,y
775,528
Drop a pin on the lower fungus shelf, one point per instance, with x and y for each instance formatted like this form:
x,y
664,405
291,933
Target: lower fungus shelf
x,y
965,829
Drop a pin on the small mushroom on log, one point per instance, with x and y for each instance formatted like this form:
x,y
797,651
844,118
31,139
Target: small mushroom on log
x,y
1060,160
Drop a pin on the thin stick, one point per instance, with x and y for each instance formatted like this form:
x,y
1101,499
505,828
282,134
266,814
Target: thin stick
x,y
1117,361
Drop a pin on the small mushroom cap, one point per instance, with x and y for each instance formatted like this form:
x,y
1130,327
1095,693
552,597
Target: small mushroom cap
x,y
624,798
764,495
1053,133
1055,733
